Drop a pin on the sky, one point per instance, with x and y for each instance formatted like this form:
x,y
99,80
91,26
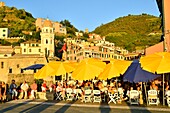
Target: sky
x,y
85,13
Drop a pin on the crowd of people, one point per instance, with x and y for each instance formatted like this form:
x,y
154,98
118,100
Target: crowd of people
x,y
25,91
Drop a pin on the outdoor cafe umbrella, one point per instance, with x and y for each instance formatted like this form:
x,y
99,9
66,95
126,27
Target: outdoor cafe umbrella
x,y
114,69
157,63
34,67
88,68
135,74
54,68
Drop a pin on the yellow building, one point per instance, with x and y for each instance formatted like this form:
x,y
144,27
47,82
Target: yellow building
x,y
6,51
30,47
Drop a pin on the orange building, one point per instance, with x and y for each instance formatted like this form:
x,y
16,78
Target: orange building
x,y
164,8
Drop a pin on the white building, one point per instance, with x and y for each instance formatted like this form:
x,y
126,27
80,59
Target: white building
x,y
4,32
43,47
47,39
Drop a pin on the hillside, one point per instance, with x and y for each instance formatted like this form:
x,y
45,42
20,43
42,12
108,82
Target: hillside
x,y
16,20
132,32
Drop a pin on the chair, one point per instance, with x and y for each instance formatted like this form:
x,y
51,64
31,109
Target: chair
x,y
167,94
87,96
69,94
112,98
97,96
134,97
153,97
78,93
58,96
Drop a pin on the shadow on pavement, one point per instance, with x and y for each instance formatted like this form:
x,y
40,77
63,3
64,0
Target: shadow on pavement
x,y
138,108
39,107
65,107
15,106
104,107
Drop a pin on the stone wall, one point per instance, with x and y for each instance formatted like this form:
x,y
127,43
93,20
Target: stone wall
x,y
20,78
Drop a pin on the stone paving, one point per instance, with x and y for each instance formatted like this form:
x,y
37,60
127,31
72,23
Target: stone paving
x,y
77,106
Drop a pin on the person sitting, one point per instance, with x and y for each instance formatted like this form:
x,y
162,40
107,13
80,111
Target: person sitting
x,y
0,91
153,86
33,89
166,89
24,88
128,93
12,90
3,91
140,95
44,86
113,83
120,90
59,87
51,86
86,86
59,90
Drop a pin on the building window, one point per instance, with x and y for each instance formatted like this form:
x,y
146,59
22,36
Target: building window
x,y
115,57
46,41
24,44
2,64
4,30
4,35
24,50
39,50
17,65
10,70
102,55
37,45
29,50
33,45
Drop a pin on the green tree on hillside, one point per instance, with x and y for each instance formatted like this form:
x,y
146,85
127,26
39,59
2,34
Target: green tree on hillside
x,y
132,30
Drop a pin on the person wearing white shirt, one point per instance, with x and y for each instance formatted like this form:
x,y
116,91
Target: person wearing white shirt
x,y
24,88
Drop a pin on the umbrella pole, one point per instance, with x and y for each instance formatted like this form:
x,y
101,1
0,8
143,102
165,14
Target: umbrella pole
x,y
146,93
163,89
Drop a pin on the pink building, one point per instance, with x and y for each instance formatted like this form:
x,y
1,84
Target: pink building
x,y
58,28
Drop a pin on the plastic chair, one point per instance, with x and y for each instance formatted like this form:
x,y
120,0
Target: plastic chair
x,y
112,97
167,94
69,94
134,97
87,96
97,96
153,97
